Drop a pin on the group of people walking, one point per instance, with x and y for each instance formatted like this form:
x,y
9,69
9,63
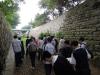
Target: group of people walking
x,y
64,57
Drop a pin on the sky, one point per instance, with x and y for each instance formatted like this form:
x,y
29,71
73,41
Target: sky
x,y
27,12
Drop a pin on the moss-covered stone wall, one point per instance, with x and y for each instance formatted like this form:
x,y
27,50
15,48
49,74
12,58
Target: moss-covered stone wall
x,y
84,20
5,41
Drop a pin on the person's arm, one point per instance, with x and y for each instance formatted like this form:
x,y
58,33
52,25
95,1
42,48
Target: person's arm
x,y
26,42
72,61
27,51
13,47
46,48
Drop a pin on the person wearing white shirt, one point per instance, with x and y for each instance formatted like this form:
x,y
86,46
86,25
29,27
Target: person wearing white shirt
x,y
83,44
60,64
61,43
81,59
51,49
16,44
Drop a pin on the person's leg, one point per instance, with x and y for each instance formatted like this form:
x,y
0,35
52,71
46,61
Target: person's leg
x,y
39,54
32,57
19,58
16,59
27,52
48,68
86,72
22,54
30,54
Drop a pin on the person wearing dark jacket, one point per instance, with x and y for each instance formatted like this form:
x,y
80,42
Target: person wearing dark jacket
x,y
80,55
83,44
60,64
22,48
66,51
27,42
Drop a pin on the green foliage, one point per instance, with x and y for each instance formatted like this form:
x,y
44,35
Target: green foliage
x,y
59,35
39,20
49,4
42,35
58,4
9,9
13,19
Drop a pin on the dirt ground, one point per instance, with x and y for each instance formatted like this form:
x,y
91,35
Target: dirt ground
x,y
95,70
25,69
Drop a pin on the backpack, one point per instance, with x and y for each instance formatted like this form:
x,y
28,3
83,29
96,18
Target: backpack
x,y
32,47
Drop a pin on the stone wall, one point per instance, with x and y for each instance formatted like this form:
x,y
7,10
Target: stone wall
x,y
52,27
5,41
84,20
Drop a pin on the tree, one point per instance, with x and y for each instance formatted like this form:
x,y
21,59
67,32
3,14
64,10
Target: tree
x,y
58,4
40,19
49,4
13,19
9,9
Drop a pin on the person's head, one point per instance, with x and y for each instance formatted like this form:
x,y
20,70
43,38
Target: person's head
x,y
33,38
74,44
81,39
30,41
62,37
67,42
15,36
41,38
19,38
49,39
47,56
52,37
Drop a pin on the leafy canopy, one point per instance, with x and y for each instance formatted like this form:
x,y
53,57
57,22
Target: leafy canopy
x,y
58,4
9,9
39,20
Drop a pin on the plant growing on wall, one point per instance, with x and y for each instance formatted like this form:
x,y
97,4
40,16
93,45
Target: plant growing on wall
x,y
59,34
42,35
